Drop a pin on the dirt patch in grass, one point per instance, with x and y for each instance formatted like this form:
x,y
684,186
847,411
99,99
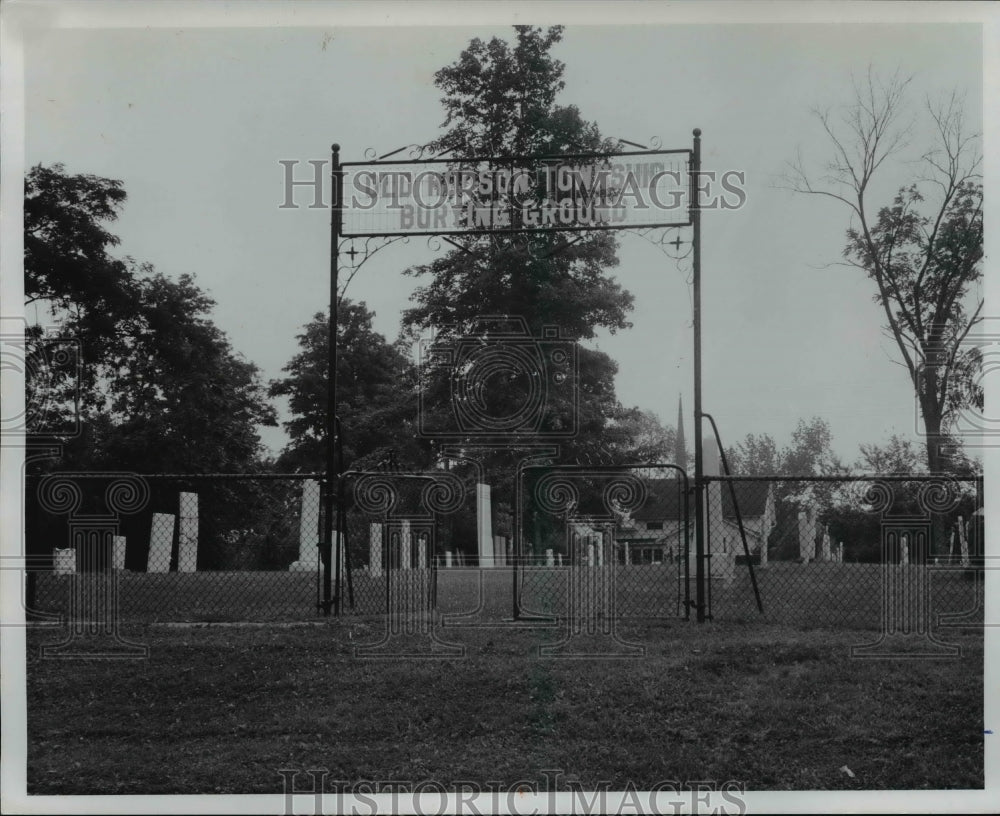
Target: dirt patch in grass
x,y
221,710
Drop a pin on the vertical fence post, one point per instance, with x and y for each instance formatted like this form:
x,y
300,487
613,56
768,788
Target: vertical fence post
x,y
331,599
699,476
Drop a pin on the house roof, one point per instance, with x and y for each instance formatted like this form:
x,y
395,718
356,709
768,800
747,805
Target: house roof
x,y
750,496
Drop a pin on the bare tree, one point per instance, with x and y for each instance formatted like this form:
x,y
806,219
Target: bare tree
x,y
924,250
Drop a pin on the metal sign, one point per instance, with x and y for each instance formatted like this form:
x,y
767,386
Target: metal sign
x,y
516,194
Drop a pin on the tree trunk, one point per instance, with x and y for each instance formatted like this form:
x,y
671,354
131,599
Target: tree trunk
x,y
938,463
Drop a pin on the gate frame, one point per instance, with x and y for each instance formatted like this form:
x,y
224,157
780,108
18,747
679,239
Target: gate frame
x,y
334,469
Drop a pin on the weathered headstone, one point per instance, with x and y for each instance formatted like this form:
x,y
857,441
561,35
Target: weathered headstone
x,y
422,562
64,561
375,549
824,553
405,545
840,553
119,545
499,550
807,537
448,559
550,558
161,540
484,525
309,533
187,546
963,542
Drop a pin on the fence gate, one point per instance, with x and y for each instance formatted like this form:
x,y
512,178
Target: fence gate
x,y
596,544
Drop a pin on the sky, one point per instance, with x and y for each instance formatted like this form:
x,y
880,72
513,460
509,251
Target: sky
x,y
194,121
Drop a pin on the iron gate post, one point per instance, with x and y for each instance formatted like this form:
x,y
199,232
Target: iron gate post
x,y
699,475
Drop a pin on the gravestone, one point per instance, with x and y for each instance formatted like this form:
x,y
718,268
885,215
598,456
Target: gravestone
x,y
309,535
824,553
187,547
499,550
119,545
405,545
161,541
447,558
963,542
484,525
375,549
807,536
904,550
550,558
64,561
422,562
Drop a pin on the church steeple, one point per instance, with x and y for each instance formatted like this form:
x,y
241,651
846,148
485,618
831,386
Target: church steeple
x,y
680,446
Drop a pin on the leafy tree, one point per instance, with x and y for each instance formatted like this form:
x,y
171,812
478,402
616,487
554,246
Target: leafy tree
x,y
500,100
376,394
923,251
639,436
162,389
176,396
755,455
67,266
899,456
808,454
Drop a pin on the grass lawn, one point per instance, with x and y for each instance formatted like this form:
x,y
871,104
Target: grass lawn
x,y
223,708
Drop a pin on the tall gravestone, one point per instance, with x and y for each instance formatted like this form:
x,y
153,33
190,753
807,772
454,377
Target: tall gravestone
x,y
405,545
807,535
375,549
119,546
187,547
161,541
499,550
309,524
484,525
963,542
64,561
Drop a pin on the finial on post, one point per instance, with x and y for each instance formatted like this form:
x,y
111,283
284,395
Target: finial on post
x,y
697,133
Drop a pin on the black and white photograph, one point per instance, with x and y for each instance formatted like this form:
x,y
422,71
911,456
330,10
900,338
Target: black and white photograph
x,y
466,408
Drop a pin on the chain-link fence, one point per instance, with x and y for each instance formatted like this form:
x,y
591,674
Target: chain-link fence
x,y
603,542
170,548
587,543
900,552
